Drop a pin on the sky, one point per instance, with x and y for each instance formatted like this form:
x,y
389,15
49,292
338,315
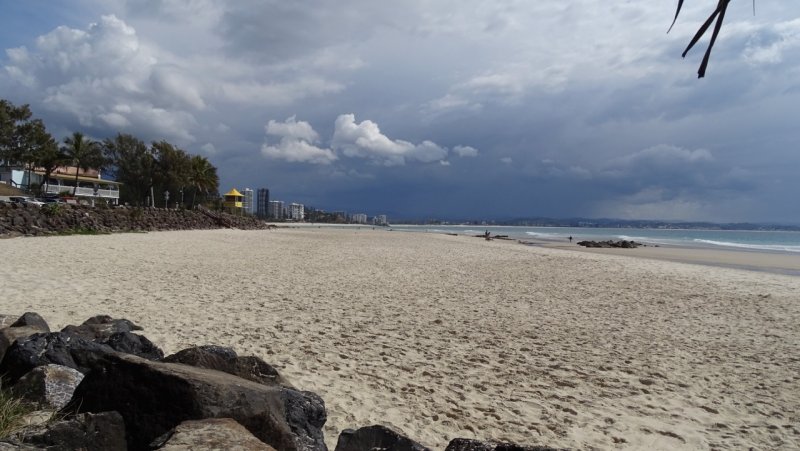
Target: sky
x,y
436,110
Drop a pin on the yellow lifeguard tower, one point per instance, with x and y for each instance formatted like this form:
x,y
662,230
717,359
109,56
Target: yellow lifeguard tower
x,y
234,201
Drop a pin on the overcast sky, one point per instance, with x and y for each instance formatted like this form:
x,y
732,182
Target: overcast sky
x,y
422,109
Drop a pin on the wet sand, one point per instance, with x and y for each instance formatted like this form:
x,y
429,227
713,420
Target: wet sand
x,y
774,262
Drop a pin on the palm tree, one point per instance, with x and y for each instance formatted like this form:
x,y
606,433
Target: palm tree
x,y
716,18
49,158
84,153
203,176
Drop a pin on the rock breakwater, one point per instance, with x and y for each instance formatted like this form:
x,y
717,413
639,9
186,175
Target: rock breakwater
x,y
54,219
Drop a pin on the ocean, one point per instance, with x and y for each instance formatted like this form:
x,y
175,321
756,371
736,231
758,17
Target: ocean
x,y
754,240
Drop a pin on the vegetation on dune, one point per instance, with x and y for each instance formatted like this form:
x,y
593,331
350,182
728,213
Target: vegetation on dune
x,y
143,170
12,411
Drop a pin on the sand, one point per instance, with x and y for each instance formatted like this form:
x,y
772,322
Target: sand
x,y
450,336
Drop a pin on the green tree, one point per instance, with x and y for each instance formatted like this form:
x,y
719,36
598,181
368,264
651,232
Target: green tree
x,y
203,177
49,157
23,141
172,168
131,163
11,135
84,153
33,143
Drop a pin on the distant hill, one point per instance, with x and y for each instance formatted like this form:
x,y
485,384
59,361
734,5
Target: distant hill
x,y
612,223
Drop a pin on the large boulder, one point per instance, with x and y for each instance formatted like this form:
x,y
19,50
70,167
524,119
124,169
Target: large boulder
x,y
226,360
11,334
100,327
32,319
48,386
53,348
154,397
464,444
211,433
135,344
376,437
103,431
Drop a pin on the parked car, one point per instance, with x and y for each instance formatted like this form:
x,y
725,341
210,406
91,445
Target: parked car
x,y
25,200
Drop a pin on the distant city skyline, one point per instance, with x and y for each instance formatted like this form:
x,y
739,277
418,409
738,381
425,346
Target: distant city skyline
x,y
436,109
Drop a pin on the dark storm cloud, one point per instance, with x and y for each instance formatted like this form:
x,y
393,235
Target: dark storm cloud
x,y
461,108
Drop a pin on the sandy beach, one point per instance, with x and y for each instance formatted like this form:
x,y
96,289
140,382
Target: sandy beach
x,y
444,336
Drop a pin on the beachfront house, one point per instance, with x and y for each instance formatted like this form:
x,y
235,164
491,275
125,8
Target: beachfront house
x,y
91,186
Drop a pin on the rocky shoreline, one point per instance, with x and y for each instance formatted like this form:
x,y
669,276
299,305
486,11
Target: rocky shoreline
x,y
101,386
55,219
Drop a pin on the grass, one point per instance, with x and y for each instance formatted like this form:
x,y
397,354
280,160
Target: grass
x,y
12,410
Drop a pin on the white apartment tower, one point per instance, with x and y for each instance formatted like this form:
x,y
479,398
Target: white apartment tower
x,y
296,212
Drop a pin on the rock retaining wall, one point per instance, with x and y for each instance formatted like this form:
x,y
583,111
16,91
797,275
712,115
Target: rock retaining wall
x,y
52,219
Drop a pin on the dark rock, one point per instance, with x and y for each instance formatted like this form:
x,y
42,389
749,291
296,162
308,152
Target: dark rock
x,y
42,349
208,356
48,386
11,445
32,319
376,437
154,397
135,344
100,327
225,359
103,431
610,244
11,334
463,444
212,433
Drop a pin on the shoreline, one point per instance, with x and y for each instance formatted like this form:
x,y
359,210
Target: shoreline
x,y
772,262
748,260
443,336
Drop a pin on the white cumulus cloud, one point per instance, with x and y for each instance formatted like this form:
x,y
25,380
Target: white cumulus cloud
x,y
465,151
296,143
365,140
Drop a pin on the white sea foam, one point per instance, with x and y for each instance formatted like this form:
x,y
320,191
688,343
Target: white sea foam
x,y
760,247
545,235
651,240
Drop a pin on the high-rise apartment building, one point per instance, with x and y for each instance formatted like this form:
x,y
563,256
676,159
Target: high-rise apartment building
x,y
262,203
296,212
359,218
380,220
275,209
247,203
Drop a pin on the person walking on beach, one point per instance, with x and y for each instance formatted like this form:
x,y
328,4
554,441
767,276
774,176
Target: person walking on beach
x,y
570,238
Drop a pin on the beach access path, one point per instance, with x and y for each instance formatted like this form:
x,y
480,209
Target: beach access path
x,y
451,336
